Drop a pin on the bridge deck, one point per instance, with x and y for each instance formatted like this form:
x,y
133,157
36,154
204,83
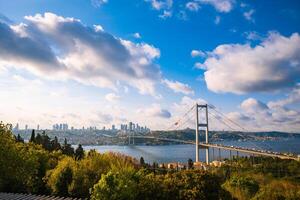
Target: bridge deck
x,y
248,151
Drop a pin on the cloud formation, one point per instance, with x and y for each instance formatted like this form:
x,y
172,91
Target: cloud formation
x,y
262,116
192,6
112,97
98,3
197,53
160,4
56,47
224,6
272,65
178,87
155,110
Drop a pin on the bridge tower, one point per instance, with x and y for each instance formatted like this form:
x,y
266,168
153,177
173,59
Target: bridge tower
x,y
198,125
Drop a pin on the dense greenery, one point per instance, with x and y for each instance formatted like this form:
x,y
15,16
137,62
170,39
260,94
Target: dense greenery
x,y
44,166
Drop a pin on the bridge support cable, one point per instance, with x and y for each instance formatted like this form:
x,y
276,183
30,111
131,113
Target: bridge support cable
x,y
220,119
175,125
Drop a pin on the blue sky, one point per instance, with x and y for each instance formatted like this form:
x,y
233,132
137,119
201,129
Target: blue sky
x,y
233,66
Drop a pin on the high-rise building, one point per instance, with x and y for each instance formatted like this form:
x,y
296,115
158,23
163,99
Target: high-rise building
x,y
26,127
113,127
130,126
38,127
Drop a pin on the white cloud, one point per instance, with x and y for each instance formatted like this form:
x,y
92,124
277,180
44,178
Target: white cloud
x,y
259,116
200,65
112,97
192,6
161,4
166,14
98,28
197,53
224,6
178,87
272,65
249,15
252,105
61,48
137,35
155,110
292,98
98,3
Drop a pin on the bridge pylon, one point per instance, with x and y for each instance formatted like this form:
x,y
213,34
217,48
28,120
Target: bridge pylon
x,y
200,107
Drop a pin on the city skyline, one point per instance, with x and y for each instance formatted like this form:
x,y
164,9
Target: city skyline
x,y
98,63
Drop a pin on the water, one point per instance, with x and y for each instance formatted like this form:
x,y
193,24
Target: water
x,y
182,152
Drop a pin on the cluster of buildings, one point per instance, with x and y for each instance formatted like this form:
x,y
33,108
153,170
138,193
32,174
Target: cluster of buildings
x,y
60,127
132,127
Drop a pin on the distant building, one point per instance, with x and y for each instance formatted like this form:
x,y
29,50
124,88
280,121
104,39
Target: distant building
x,y
113,127
16,127
130,126
26,127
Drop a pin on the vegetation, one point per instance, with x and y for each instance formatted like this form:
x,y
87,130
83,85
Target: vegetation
x,y
44,166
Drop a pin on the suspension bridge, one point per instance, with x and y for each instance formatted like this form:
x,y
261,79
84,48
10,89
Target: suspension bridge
x,y
201,114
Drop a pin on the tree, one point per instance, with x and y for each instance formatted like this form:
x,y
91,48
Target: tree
x,y
116,185
32,138
55,145
19,138
67,148
60,178
190,164
142,162
79,153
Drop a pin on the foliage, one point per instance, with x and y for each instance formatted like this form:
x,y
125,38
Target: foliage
x,y
79,153
22,166
242,187
132,184
44,166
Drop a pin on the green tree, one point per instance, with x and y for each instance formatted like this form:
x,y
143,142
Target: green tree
x,y
79,152
142,162
60,178
67,149
117,186
32,137
190,164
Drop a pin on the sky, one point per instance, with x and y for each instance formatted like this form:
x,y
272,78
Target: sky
x,y
104,62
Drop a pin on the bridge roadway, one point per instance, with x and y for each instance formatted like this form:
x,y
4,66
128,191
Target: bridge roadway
x,y
230,148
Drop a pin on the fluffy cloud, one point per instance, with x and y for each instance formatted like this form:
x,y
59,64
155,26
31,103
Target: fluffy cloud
x,y
137,35
177,86
256,115
197,53
192,6
293,98
161,4
98,3
166,14
63,48
165,5
272,65
224,6
112,97
155,110
252,105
